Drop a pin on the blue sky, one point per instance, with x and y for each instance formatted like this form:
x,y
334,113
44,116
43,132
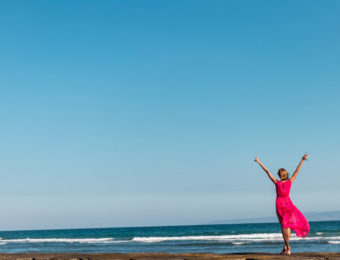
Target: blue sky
x,y
134,113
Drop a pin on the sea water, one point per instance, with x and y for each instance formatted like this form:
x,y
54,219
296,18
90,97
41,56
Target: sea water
x,y
231,238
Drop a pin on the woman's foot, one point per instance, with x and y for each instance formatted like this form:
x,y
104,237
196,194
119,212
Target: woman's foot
x,y
288,251
284,250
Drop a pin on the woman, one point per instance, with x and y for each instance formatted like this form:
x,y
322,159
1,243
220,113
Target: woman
x,y
289,216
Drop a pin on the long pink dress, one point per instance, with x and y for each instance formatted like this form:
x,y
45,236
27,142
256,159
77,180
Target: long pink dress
x,y
291,216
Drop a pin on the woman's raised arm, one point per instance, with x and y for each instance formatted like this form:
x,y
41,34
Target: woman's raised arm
x,y
298,168
266,170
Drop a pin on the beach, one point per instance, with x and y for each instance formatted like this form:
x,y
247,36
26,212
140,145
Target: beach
x,y
159,256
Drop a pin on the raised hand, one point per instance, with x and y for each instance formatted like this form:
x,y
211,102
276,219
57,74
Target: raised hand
x,y
304,158
271,177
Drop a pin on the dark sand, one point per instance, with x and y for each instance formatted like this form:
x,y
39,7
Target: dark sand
x,y
158,256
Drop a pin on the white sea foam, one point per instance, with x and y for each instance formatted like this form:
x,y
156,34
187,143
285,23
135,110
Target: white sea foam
x,y
62,240
238,243
319,233
261,237
234,239
333,242
225,238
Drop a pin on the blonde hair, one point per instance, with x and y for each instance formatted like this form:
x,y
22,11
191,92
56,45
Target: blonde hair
x,y
283,174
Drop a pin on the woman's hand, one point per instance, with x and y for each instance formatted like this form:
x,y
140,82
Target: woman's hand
x,y
305,156
271,177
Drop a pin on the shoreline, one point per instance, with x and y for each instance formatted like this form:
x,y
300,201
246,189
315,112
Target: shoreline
x,y
159,256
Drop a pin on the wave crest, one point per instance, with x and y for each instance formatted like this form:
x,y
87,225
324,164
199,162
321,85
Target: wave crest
x,y
61,240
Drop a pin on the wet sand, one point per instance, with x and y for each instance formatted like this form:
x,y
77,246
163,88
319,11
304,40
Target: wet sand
x,y
159,256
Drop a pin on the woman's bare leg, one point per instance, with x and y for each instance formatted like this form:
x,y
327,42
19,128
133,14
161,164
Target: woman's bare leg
x,y
284,250
288,248
286,237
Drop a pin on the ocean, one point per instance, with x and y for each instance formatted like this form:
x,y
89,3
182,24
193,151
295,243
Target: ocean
x,y
229,238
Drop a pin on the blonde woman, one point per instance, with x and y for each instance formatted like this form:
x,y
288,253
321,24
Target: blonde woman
x,y
288,214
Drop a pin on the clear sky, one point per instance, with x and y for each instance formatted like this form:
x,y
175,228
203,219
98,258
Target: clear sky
x,y
134,113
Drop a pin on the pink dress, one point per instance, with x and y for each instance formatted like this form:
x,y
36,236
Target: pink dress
x,y
285,209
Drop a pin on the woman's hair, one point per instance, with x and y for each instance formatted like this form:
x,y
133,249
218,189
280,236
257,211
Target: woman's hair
x,y
283,174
